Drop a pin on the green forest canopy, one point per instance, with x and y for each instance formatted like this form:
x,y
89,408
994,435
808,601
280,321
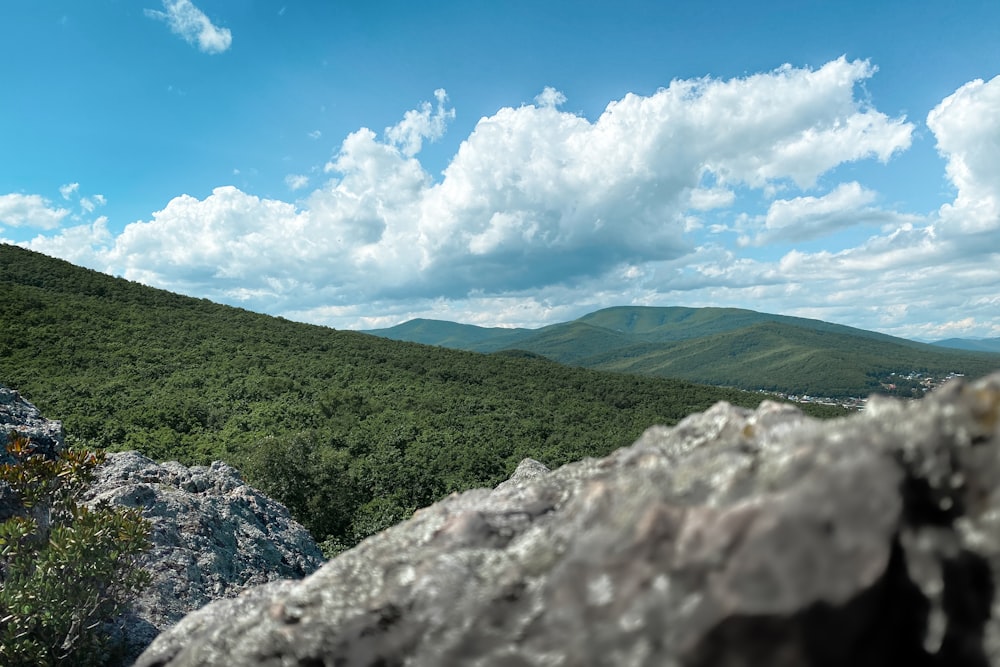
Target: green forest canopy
x,y
351,431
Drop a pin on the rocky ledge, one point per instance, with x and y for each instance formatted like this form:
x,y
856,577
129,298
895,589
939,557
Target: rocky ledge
x,y
738,537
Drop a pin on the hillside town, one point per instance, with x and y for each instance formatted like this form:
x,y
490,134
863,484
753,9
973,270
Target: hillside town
x,y
910,385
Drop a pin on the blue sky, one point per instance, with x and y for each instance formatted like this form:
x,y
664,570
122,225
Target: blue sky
x,y
357,164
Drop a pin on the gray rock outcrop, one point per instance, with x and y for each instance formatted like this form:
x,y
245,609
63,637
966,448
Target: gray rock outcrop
x,y
213,536
17,414
45,438
738,537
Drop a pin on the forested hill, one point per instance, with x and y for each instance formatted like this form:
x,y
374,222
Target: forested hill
x,y
350,430
722,346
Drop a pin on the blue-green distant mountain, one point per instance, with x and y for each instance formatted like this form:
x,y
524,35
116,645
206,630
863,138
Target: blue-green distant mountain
x,y
453,335
971,344
722,346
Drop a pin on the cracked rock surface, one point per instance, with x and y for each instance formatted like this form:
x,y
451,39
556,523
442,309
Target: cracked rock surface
x,y
738,537
213,536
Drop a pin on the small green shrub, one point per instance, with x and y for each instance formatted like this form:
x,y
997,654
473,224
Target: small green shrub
x,y
65,569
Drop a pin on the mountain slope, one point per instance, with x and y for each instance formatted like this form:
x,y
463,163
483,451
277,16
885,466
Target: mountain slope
x,y
736,347
680,323
780,357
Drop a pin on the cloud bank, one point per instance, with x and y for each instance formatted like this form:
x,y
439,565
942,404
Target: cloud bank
x,y
543,214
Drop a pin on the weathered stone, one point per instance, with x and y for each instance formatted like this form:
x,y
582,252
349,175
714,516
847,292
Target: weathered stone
x,y
738,537
17,414
45,438
213,536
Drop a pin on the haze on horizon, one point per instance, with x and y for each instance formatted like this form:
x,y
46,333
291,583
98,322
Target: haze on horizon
x,y
516,165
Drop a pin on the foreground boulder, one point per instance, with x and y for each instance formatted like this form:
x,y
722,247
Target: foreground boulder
x,y
213,536
738,537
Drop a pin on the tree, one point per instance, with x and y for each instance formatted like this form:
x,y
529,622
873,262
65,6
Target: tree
x,y
309,475
65,569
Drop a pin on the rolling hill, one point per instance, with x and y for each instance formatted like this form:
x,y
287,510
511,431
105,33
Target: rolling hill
x,y
721,346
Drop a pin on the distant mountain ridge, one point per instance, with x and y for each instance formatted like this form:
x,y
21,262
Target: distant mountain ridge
x,y
971,344
453,334
723,346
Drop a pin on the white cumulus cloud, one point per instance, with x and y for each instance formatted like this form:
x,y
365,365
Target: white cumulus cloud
x,y
550,97
193,26
706,199
967,127
535,197
226,242
20,210
88,204
808,217
84,244
419,124
543,214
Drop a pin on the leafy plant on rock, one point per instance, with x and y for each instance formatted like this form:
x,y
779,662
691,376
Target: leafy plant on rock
x,y
65,569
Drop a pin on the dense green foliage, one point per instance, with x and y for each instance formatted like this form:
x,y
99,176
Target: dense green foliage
x,y
721,346
351,431
65,569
